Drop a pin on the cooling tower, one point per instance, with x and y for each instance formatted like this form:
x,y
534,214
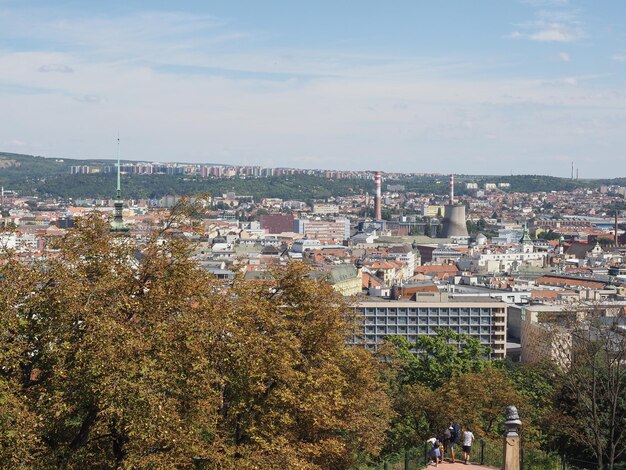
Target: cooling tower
x,y
454,221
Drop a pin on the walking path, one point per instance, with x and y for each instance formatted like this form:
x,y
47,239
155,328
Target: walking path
x,y
460,466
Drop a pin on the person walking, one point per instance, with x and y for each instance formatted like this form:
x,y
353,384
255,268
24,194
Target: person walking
x,y
447,434
435,453
455,431
468,440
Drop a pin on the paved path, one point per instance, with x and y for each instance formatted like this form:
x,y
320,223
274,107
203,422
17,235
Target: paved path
x,y
460,466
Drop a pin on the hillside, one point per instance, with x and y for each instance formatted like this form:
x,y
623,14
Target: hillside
x,y
49,177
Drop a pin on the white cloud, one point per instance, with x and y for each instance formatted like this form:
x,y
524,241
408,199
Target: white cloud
x,y
556,32
552,26
564,57
570,81
619,57
544,3
61,68
89,99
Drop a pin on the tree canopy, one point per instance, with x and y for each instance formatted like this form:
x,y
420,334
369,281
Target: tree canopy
x,y
117,356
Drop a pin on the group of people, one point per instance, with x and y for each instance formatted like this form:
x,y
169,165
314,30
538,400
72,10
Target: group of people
x,y
445,443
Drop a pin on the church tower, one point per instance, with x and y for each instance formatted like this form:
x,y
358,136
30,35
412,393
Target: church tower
x,y
526,242
117,224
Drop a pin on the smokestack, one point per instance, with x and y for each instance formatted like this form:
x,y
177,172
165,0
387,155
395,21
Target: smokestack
x,y
378,197
616,226
576,174
572,170
451,189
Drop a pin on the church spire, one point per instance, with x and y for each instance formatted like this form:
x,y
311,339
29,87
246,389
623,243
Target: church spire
x,y
117,224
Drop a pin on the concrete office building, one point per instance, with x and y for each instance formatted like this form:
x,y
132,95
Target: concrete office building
x,y
481,318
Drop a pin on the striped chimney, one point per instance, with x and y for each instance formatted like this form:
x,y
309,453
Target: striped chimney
x,y
451,189
378,197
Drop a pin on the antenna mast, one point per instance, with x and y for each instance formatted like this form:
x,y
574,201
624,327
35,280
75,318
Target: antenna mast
x,y
119,186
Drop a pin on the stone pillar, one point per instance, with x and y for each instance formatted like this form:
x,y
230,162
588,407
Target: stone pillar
x,y
512,444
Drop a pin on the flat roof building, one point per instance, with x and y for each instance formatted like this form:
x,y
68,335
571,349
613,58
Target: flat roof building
x,y
480,318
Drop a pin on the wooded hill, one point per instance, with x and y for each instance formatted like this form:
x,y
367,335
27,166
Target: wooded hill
x,y
50,177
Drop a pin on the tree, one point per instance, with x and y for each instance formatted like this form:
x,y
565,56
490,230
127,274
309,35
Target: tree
x,y
439,358
592,370
537,385
417,380
478,399
549,235
113,360
294,391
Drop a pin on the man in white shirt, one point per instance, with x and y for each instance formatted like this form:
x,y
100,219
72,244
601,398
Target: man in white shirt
x,y
468,439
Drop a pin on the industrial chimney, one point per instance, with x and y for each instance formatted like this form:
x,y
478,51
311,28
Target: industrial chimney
x,y
378,197
451,189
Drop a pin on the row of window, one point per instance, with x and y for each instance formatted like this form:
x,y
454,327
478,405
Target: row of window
x,y
430,311
485,339
427,321
392,330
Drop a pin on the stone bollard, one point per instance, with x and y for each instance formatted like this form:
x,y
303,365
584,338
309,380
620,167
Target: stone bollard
x,y
512,444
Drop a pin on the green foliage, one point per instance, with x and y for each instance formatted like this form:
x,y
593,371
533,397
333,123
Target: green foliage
x,y
549,235
440,357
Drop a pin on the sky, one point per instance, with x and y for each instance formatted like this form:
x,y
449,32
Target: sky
x,y
447,86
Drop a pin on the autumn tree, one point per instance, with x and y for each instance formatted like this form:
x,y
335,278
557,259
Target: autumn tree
x,y
477,400
294,393
121,356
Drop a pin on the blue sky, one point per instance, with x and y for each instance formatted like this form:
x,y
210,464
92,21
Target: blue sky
x,y
463,86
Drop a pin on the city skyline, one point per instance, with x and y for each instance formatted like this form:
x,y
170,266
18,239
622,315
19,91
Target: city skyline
x,y
520,87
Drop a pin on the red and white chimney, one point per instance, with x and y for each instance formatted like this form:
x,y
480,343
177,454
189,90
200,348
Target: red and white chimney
x,y
451,189
378,197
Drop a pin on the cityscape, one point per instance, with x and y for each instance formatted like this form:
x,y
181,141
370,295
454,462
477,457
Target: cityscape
x,y
350,302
